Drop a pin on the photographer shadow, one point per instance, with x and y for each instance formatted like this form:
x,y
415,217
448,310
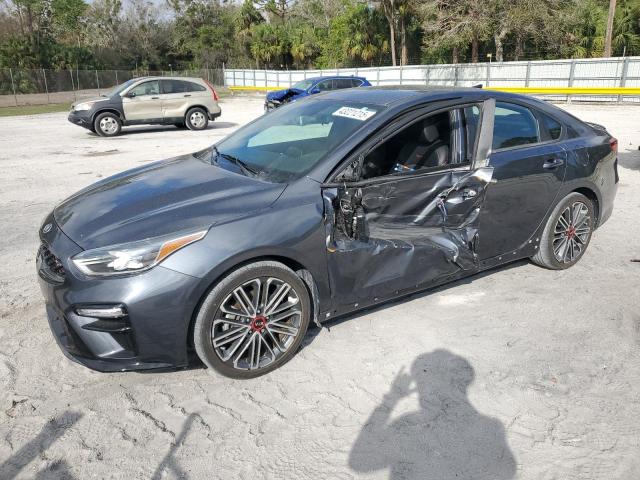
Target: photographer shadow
x,y
446,439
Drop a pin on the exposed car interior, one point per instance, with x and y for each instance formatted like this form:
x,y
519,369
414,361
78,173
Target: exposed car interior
x,y
446,138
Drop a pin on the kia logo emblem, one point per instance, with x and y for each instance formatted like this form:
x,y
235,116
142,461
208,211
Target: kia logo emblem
x,y
47,228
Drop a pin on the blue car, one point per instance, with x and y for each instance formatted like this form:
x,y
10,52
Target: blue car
x,y
310,86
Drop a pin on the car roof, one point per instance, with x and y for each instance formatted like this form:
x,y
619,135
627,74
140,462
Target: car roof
x,y
396,94
329,77
190,79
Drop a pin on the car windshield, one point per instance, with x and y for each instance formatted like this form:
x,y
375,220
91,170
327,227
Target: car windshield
x,y
302,85
116,90
287,143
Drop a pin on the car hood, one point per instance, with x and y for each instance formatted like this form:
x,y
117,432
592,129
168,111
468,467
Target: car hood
x,y
90,100
286,93
160,198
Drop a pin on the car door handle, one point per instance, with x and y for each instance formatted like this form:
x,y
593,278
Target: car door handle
x,y
155,98
553,163
187,95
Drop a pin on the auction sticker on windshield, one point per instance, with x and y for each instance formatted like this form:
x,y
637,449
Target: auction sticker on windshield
x,y
361,114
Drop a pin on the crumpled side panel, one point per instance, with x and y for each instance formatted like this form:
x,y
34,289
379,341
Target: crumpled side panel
x,y
386,237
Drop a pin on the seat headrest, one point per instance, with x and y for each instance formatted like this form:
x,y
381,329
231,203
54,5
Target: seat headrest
x,y
429,134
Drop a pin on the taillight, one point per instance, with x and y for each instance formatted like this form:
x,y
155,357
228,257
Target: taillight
x,y
613,143
213,90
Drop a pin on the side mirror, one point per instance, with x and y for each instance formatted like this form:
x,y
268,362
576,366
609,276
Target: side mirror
x,y
314,90
130,94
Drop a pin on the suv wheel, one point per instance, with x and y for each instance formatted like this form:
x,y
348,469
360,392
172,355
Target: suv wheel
x,y
567,233
107,124
253,321
196,119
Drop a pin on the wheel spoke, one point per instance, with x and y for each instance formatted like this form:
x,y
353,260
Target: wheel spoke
x,y
244,301
561,245
230,336
283,329
242,351
232,349
277,298
563,222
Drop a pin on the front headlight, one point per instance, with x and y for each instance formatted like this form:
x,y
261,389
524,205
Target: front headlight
x,y
83,106
133,257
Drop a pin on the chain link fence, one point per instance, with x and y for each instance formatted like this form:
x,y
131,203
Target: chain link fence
x,y
40,87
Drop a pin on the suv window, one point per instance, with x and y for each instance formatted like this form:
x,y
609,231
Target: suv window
x,y
180,86
325,85
514,125
355,82
146,88
343,83
553,126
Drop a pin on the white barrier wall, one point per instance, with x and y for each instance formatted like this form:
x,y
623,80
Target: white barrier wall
x,y
596,72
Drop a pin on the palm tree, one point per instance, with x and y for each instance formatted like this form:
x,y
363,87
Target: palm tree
x,y
609,34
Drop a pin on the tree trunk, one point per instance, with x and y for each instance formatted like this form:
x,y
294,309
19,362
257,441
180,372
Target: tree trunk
x,y
404,49
498,38
455,54
519,51
609,34
474,49
388,6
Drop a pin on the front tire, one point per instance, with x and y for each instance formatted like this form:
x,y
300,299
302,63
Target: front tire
x,y
107,124
567,233
253,321
196,119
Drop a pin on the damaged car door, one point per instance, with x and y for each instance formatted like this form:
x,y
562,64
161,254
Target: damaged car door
x,y
403,214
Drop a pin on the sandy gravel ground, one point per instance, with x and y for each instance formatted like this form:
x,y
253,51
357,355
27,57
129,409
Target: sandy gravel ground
x,y
538,367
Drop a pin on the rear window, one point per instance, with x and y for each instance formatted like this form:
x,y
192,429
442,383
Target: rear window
x,y
514,125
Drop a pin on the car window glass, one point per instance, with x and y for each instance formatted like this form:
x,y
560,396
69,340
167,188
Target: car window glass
x,y
325,85
471,122
424,145
553,126
343,82
355,82
146,88
290,141
180,86
513,125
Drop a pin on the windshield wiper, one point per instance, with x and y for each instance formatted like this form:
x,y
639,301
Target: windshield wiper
x,y
246,169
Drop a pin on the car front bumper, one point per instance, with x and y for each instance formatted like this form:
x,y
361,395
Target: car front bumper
x,y
81,118
158,303
271,105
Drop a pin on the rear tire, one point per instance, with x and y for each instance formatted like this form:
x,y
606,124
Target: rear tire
x,y
107,124
253,321
196,119
567,233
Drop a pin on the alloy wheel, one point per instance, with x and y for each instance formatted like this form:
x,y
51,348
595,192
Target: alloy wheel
x,y
571,232
256,323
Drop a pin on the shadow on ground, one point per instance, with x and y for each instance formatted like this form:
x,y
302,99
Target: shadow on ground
x,y
446,438
629,159
51,432
164,128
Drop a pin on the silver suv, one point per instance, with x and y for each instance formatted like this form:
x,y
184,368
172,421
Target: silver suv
x,y
179,101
